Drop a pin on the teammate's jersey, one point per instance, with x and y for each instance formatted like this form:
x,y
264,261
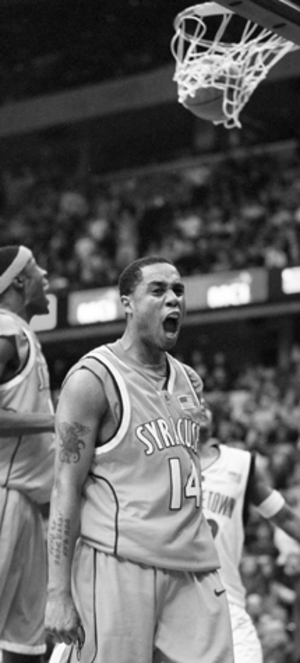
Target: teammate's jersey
x,y
142,498
27,461
224,484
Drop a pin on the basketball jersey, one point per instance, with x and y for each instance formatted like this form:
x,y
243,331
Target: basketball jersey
x,y
224,484
26,461
142,497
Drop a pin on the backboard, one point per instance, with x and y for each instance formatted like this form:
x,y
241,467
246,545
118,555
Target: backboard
x,y
281,16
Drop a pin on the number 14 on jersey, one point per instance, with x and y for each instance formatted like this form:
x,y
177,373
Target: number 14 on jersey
x,y
180,490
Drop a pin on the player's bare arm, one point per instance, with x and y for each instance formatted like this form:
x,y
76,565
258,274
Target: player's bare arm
x,y
274,507
15,423
80,410
8,358
260,489
288,520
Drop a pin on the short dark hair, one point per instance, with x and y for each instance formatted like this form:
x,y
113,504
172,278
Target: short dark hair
x,y
132,274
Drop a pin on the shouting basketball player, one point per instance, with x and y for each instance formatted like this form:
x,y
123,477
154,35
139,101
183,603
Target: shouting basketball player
x,y
145,585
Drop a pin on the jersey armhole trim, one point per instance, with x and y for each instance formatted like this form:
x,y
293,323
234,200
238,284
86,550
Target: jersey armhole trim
x,y
26,368
124,401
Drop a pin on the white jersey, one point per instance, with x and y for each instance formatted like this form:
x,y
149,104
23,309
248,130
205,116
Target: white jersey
x,y
224,485
26,461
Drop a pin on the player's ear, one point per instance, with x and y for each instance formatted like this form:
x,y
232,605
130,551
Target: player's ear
x,y
126,301
18,282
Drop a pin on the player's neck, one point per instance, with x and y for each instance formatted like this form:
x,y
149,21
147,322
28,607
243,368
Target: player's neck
x,y
142,354
20,311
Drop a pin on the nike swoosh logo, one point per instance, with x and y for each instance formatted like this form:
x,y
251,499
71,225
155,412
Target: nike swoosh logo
x,y
218,592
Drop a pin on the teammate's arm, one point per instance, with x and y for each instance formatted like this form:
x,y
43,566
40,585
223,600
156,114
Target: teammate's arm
x,y
288,520
7,354
81,407
13,424
19,423
272,505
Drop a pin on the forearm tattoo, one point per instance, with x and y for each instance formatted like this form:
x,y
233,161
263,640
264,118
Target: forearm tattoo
x,y
59,538
70,441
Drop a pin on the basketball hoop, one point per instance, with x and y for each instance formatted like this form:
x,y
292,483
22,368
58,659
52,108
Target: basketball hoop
x,y
215,48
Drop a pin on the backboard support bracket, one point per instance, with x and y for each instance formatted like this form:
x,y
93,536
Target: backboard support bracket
x,y
280,16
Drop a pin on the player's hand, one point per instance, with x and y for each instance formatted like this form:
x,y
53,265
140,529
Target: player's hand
x,y
63,621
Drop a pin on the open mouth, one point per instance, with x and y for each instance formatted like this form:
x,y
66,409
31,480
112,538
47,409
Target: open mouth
x,y
171,325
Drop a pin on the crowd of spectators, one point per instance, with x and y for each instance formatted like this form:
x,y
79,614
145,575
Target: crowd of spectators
x,y
215,215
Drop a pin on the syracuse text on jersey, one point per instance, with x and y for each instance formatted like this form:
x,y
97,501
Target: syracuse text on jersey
x,y
160,434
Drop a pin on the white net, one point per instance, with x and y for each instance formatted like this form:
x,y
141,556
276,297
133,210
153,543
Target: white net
x,y
215,48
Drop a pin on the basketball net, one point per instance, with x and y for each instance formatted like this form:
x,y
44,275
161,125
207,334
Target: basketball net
x,y
212,60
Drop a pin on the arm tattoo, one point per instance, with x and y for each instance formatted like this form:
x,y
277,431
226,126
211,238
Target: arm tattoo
x,y
70,442
59,538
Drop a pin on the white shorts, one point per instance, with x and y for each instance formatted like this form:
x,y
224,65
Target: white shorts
x,y
246,644
139,614
23,575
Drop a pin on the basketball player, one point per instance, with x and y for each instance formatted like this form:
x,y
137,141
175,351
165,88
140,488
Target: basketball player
x,y
230,482
145,582
26,457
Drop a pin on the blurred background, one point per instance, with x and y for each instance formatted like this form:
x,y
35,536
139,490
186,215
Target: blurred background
x,y
99,165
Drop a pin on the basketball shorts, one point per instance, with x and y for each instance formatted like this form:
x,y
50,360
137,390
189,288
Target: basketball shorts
x,y
137,613
246,644
23,575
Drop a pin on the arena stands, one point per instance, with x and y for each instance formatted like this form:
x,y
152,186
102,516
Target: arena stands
x,y
207,216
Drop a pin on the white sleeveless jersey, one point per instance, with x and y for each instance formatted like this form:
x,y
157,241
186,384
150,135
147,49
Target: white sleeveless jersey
x,y
142,497
27,461
224,485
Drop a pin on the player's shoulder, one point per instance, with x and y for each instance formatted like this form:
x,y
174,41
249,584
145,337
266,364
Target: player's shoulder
x,y
81,387
90,364
194,377
9,324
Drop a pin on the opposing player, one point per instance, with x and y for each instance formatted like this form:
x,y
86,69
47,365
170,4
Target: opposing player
x,y
230,482
145,586
26,457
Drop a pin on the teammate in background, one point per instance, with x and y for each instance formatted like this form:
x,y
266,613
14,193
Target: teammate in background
x,y
230,482
26,457
127,479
